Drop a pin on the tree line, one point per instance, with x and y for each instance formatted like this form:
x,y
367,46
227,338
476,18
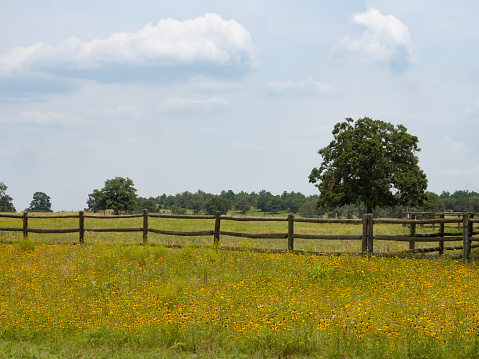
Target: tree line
x,y
120,196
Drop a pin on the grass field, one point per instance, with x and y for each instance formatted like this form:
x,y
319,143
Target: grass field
x,y
110,298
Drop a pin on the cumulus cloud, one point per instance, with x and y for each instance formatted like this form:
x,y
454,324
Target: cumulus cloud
x,y
308,87
386,39
204,42
180,105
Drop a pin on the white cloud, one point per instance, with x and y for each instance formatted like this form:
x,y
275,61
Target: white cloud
x,y
307,87
386,39
180,105
35,118
204,41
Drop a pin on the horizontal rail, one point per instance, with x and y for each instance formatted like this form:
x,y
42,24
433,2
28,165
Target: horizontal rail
x,y
181,216
112,229
178,233
46,230
327,220
313,236
416,239
53,216
100,216
11,215
250,218
416,221
254,235
6,229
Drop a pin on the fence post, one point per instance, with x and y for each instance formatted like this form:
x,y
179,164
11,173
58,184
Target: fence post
x,y
25,224
145,226
290,232
441,234
81,226
364,241
217,229
412,233
465,238
370,235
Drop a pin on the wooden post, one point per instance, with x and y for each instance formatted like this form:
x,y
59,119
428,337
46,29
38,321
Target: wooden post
x,y
290,232
25,224
466,248
441,233
145,226
81,225
412,233
370,235
217,229
364,241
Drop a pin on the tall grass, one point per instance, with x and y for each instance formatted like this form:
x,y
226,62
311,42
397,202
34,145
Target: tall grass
x,y
105,300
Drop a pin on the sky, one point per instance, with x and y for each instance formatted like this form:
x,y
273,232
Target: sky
x,y
219,94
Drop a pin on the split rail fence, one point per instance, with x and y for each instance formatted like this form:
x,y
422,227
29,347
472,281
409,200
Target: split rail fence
x,y
367,237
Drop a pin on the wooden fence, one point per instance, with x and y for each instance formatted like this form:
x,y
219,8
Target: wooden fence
x,y
367,237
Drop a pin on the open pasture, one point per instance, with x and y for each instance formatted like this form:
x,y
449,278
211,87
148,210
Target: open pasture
x,y
116,300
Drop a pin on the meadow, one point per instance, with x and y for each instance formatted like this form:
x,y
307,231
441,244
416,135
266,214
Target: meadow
x,y
115,298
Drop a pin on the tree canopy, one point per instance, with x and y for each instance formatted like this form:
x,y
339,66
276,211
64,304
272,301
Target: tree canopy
x,y
6,204
371,162
217,203
40,203
118,195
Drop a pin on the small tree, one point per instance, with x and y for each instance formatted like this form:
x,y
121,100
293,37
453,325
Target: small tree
x,y
217,203
274,205
372,162
6,204
40,203
118,195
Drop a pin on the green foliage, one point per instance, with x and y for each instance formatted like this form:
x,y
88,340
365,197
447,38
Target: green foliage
x,y
40,203
118,195
274,205
321,271
26,244
372,162
242,202
217,203
146,203
461,201
6,204
263,198
178,210
435,203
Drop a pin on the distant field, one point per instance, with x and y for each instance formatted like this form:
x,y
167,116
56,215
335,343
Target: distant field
x,y
131,301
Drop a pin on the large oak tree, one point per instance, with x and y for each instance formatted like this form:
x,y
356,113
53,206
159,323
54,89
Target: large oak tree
x,y
371,162
118,195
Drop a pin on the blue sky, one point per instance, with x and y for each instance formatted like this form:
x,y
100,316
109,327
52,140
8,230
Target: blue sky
x,y
213,95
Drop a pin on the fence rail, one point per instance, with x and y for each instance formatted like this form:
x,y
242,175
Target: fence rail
x,y
367,237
